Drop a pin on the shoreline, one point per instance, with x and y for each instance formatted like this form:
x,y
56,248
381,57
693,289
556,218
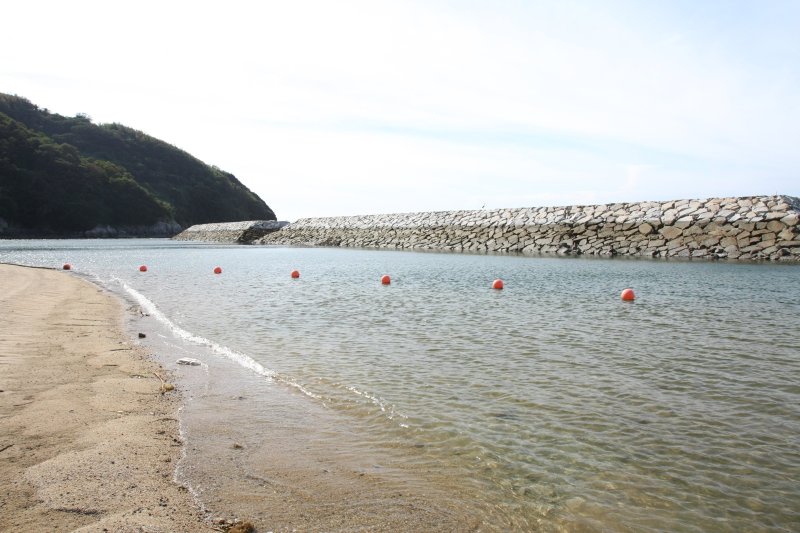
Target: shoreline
x,y
87,439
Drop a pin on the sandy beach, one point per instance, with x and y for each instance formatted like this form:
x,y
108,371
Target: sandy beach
x,y
88,442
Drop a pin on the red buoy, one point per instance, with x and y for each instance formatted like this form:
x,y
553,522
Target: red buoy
x,y
217,270
386,280
143,268
627,295
67,266
295,274
497,284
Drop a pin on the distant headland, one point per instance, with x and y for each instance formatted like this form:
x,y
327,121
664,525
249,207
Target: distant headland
x,y
68,177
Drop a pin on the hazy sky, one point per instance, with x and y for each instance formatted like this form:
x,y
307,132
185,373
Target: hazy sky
x,y
342,108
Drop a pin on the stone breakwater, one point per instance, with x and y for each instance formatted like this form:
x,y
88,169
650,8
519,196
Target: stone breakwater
x,y
759,228
230,232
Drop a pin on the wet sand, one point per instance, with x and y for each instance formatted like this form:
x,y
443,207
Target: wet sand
x,y
87,440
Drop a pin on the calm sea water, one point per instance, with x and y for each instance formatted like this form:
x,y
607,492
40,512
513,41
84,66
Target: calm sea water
x,y
551,405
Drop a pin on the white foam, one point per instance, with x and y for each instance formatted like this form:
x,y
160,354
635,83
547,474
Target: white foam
x,y
241,359
385,407
244,360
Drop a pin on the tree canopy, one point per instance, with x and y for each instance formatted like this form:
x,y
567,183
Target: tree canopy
x,y
67,174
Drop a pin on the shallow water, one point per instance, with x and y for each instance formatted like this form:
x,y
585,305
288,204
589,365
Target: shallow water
x,y
550,405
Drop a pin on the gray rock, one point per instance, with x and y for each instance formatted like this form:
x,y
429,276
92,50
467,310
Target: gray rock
x,y
719,227
670,232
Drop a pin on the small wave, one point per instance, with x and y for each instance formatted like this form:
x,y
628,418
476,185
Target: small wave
x,y
372,398
241,359
299,387
385,407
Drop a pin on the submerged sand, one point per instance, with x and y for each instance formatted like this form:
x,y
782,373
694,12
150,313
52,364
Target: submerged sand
x,y
87,440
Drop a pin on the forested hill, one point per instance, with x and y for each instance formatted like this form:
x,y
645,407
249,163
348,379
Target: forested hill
x,y
66,175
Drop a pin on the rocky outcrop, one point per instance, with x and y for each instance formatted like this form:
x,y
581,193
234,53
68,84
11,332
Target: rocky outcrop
x,y
760,227
159,229
230,232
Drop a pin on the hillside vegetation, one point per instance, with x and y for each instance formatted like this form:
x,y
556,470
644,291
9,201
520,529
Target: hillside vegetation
x,y
65,175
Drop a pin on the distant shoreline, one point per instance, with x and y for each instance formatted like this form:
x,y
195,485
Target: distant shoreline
x,y
159,230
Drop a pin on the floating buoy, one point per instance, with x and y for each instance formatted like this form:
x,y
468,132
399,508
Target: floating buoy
x,y
386,280
67,266
295,274
217,270
497,284
143,268
627,295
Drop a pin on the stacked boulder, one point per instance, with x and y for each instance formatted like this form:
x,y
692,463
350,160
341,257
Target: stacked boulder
x,y
760,228
230,232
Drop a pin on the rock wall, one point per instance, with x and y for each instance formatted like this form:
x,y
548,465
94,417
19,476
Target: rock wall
x,y
230,232
762,228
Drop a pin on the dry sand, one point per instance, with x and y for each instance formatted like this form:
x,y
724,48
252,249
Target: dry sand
x,y
87,440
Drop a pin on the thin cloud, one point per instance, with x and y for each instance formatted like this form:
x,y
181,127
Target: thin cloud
x,y
343,108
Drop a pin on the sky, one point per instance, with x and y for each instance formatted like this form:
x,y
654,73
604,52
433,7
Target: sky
x,y
345,108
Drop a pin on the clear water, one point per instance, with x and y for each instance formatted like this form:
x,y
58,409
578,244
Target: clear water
x,y
550,405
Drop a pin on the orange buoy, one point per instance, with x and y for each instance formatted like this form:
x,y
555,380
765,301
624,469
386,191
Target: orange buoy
x,y
217,270
497,284
627,295
67,266
143,268
386,280
295,274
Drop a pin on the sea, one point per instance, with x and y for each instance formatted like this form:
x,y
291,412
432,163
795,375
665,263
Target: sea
x,y
549,405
